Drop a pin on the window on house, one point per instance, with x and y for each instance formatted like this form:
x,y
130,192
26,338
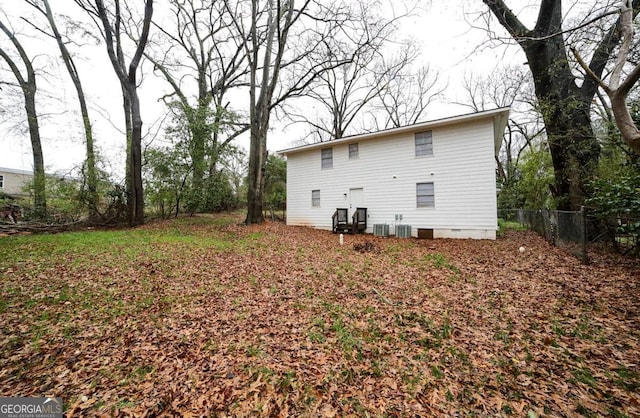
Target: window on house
x,y
424,143
424,195
327,158
353,151
1,182
315,198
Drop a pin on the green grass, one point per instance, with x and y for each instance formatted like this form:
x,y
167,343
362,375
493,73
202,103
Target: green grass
x,y
627,379
192,233
440,261
503,225
435,334
142,371
108,257
283,320
254,350
436,372
585,376
125,403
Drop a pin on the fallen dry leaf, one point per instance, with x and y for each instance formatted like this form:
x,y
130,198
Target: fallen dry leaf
x,y
202,317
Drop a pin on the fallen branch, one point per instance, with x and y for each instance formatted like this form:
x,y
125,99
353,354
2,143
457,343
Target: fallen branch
x,y
38,227
384,299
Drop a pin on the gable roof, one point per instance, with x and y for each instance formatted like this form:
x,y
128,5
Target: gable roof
x,y
15,171
500,117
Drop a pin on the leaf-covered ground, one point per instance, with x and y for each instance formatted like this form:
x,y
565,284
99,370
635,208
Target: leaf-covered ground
x,y
199,316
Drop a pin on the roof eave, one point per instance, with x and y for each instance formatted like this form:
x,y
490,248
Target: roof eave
x,y
500,117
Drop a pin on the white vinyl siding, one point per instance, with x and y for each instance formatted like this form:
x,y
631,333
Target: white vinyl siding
x,y
13,181
462,170
425,197
353,151
327,158
315,198
423,143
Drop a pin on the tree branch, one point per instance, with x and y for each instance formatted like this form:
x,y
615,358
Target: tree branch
x,y
508,19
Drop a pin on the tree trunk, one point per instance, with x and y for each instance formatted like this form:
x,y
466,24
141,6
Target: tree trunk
x,y
128,176
39,196
128,85
92,177
201,133
624,121
261,106
200,136
255,187
565,107
566,113
254,195
137,194
574,151
29,88
92,173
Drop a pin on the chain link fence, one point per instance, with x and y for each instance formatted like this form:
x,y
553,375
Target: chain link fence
x,y
577,231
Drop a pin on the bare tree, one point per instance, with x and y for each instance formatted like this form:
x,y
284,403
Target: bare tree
x,y
268,26
359,71
564,102
507,87
27,83
407,94
197,52
279,19
91,173
618,88
111,21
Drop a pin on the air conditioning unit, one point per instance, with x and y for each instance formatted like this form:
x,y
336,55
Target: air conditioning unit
x,y
381,230
403,231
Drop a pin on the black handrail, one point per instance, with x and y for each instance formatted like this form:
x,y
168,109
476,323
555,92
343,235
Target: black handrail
x,y
359,220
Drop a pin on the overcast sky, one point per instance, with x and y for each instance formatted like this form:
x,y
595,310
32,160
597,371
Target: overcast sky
x,y
449,45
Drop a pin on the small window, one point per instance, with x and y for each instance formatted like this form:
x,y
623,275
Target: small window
x,y
315,198
424,143
353,151
424,195
327,158
1,182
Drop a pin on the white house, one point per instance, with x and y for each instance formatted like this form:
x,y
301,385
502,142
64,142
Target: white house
x,y
435,179
13,181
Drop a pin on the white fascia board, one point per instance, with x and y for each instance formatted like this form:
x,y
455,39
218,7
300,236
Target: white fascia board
x,y
500,117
